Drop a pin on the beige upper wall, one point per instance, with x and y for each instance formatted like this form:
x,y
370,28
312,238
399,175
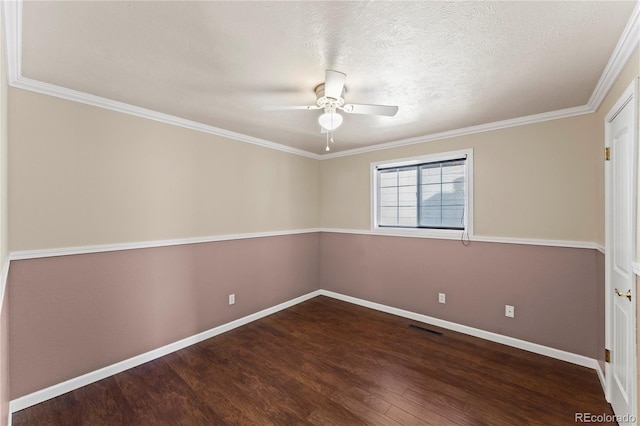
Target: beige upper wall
x,y
4,157
82,175
532,181
543,181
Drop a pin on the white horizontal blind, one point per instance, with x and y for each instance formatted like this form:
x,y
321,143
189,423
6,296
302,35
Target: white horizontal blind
x,y
398,204
426,195
442,195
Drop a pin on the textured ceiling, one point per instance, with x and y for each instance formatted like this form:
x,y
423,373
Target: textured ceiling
x,y
447,65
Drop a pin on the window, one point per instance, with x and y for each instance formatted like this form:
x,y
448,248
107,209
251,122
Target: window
x,y
426,193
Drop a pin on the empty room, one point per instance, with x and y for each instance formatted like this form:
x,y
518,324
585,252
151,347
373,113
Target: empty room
x,y
319,212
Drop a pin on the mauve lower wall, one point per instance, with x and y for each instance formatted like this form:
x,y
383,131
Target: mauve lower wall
x,y
4,362
554,290
71,315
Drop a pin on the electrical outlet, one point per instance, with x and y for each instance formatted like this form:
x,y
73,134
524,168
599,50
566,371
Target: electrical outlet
x,y
441,297
509,311
232,299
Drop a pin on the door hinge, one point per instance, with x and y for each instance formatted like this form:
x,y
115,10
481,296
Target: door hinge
x,y
607,355
607,153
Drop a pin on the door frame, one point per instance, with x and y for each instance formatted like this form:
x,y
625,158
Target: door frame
x,y
629,95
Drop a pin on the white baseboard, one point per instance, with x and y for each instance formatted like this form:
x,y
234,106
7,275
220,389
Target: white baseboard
x,y
77,382
476,332
603,381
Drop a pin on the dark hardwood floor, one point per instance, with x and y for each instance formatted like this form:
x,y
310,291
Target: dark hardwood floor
x,y
332,363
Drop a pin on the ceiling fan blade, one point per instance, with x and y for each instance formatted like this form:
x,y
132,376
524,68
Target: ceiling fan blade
x,y
286,108
388,110
333,84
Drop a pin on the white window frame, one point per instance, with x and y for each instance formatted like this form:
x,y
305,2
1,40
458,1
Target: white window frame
x,y
425,232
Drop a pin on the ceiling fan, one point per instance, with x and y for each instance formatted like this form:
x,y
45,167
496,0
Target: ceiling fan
x,y
330,98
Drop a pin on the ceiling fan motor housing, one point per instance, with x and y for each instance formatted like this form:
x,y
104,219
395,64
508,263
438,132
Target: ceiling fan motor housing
x,y
324,102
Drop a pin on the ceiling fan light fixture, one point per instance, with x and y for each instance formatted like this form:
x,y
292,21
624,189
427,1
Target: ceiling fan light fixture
x,y
330,120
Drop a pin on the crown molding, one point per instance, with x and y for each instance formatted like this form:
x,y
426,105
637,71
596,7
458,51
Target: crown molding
x,y
12,20
627,45
12,25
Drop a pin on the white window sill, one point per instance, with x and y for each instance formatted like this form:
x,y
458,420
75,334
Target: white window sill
x,y
445,234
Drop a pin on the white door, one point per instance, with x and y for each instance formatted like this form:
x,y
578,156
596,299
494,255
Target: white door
x,y
621,129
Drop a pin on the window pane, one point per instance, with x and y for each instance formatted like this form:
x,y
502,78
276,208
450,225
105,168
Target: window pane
x,y
407,177
442,195
431,195
425,195
407,222
397,197
388,178
453,216
430,174
407,216
388,196
453,172
407,198
388,216
453,193
431,216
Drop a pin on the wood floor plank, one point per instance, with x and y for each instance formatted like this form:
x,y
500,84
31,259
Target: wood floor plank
x,y
335,414
61,410
371,401
327,362
192,368
246,387
158,396
363,411
103,403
